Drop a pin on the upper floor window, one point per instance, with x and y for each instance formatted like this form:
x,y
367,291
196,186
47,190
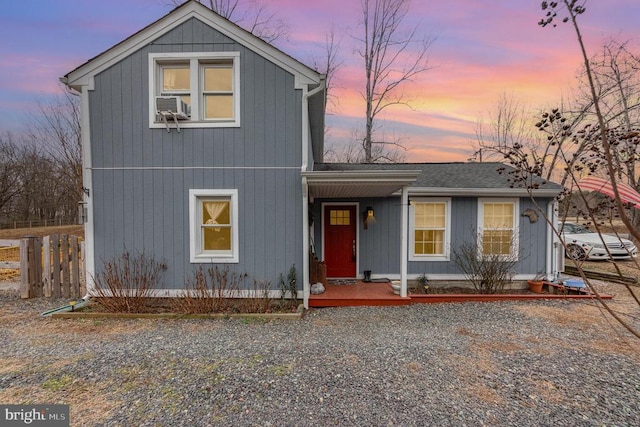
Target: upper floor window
x,y
207,83
430,229
498,227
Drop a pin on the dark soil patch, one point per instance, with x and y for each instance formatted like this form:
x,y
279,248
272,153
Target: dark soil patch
x,y
461,290
177,305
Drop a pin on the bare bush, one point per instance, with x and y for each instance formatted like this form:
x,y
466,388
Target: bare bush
x,y
210,291
125,283
487,272
260,301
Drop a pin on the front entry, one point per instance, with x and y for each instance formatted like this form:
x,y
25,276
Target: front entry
x,y
340,240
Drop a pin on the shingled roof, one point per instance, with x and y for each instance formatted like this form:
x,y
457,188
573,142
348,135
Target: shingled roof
x,y
457,175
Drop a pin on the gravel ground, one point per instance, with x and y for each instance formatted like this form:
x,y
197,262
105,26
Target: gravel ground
x,y
520,364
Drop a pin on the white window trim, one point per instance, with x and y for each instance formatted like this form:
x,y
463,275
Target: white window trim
x,y
195,244
194,59
447,230
516,219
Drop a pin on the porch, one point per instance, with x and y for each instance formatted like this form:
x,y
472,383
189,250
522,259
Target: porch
x,y
357,293
380,294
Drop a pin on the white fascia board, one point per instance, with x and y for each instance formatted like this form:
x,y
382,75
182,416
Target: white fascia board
x,y
499,192
303,75
83,75
321,177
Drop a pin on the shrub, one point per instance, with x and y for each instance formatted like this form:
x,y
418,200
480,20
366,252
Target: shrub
x,y
210,291
260,302
289,288
125,283
487,273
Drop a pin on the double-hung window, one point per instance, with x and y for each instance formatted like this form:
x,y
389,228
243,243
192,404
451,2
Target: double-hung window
x,y
208,83
498,227
213,225
430,229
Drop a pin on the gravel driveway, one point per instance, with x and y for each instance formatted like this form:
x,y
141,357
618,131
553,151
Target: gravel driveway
x,y
540,363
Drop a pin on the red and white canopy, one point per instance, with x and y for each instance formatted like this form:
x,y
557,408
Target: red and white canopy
x,y
627,193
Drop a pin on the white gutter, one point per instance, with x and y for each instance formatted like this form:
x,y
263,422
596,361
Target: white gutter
x,y
319,88
306,287
387,176
87,183
305,122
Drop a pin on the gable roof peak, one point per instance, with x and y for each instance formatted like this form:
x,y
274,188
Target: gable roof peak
x,y
83,75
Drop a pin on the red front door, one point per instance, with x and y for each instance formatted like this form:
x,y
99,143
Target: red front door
x,y
340,240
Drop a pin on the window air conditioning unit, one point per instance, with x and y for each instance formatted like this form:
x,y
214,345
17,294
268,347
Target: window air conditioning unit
x,y
172,106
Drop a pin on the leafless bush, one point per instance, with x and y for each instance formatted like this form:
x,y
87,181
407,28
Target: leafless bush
x,y
210,291
488,273
125,283
260,301
288,288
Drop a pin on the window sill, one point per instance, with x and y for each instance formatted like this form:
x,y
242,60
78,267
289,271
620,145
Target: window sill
x,y
211,259
188,124
428,258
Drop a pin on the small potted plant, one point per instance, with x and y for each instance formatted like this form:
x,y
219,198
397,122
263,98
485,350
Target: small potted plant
x,y
536,284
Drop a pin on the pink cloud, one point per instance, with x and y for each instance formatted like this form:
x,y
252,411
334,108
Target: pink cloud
x,y
34,74
483,48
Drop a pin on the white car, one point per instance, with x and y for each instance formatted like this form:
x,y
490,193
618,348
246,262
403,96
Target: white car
x,y
583,244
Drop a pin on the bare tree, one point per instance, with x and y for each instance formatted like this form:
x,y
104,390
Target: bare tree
x,y
569,136
30,183
392,58
616,76
10,164
329,64
353,153
56,128
250,15
602,136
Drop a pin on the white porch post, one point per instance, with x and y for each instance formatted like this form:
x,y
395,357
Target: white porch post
x,y
404,230
305,243
554,248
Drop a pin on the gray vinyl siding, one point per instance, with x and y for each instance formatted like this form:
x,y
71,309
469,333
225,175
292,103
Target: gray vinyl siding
x,y
142,176
379,245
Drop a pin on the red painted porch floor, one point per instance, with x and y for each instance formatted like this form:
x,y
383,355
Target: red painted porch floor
x,y
381,294
359,294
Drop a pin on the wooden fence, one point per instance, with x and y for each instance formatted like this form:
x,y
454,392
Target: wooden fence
x,y
52,266
38,223
9,259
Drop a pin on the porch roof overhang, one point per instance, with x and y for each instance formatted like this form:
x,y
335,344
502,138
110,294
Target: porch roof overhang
x,y
360,183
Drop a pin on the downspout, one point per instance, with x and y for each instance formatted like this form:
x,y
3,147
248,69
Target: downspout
x,y
404,230
87,182
89,263
87,201
305,190
305,121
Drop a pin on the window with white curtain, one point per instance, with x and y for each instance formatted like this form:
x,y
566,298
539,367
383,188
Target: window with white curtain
x,y
213,225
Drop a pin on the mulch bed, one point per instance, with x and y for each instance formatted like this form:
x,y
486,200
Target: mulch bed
x,y
463,290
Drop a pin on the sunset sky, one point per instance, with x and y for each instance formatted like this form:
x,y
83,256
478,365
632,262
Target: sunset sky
x,y
483,48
